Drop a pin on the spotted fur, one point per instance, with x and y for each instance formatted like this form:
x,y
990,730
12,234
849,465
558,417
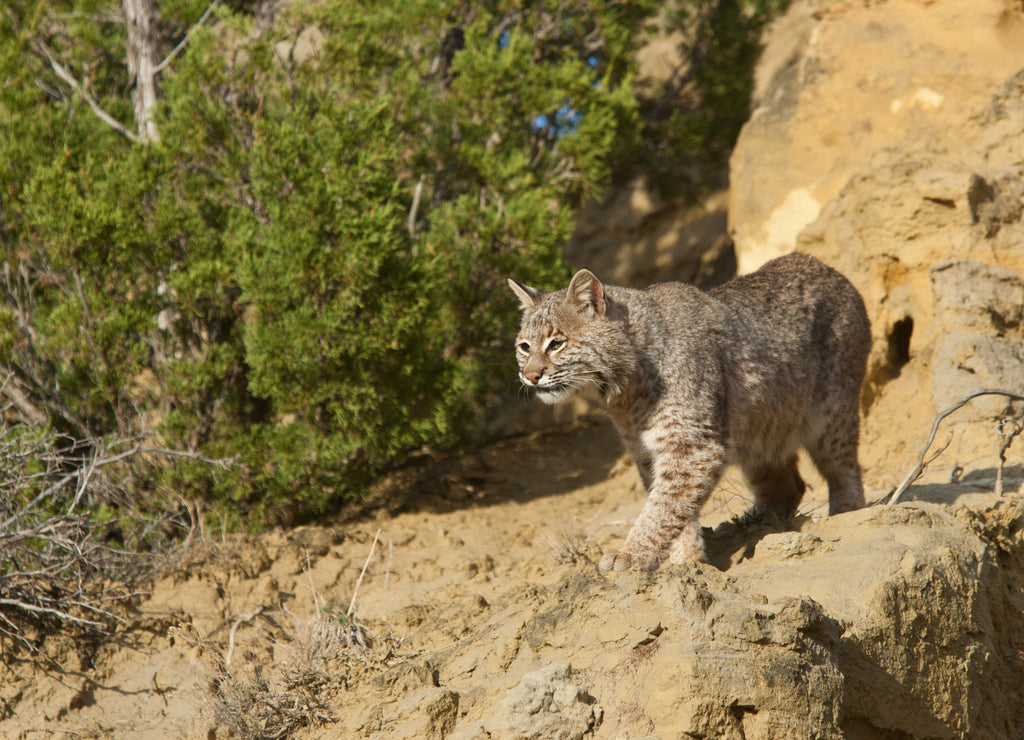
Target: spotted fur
x,y
748,372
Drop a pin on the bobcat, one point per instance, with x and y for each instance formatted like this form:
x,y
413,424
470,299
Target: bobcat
x,y
747,372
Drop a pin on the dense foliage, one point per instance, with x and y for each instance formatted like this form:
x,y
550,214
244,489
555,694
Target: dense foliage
x,y
304,269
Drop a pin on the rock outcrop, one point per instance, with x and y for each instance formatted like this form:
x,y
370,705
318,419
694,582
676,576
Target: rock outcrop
x,y
888,622
906,176
845,89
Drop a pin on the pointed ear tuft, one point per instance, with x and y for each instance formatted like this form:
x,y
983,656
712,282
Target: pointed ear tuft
x,y
586,291
528,296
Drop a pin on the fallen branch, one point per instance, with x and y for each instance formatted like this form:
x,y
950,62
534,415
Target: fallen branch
x,y
64,566
64,616
922,463
243,619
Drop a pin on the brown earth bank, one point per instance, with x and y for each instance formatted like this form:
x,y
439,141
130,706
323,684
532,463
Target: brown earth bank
x,y
466,604
462,600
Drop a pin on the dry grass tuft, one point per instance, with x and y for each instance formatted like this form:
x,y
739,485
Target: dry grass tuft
x,y
267,698
257,701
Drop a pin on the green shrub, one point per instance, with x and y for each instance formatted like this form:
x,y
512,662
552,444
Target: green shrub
x,y
305,272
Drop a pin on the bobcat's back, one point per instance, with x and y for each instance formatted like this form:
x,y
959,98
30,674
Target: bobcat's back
x,y
801,339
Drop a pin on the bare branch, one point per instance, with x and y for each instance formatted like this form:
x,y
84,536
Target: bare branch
x,y
416,196
43,495
50,399
243,619
223,463
62,569
52,612
184,42
140,51
64,74
355,591
921,464
28,410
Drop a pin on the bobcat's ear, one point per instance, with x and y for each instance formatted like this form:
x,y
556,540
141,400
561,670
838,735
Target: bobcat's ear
x,y
528,296
586,291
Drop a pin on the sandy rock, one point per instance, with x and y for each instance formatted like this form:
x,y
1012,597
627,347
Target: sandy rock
x,y
965,362
429,714
838,89
680,652
976,295
916,618
868,624
980,308
907,177
547,704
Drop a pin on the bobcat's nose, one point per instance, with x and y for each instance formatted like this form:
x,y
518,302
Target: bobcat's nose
x,y
533,376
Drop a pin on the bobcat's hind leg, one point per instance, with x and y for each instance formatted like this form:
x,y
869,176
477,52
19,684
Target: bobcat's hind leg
x,y
834,453
778,488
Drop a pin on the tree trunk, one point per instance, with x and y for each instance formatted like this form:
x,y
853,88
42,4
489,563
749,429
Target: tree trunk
x,y
141,18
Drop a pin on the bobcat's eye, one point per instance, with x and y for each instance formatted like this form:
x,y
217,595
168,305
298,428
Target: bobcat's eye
x,y
555,344
524,347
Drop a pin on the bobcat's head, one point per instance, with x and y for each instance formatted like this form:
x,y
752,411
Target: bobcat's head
x,y
559,342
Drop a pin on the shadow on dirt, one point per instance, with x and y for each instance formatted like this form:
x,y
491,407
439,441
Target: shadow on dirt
x,y
733,541
547,462
981,481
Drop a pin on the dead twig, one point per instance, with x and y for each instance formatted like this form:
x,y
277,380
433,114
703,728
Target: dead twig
x,y
417,195
922,463
312,588
355,591
1015,428
157,69
243,619
73,540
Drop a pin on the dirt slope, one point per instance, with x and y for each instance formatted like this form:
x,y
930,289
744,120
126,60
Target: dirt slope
x,y
481,606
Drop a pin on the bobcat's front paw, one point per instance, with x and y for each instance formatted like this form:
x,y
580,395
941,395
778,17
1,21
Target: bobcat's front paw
x,y
627,561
